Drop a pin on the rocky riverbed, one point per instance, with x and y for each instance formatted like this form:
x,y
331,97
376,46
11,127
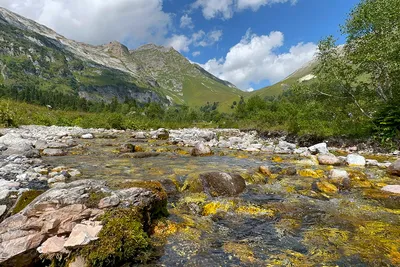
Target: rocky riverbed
x,y
233,197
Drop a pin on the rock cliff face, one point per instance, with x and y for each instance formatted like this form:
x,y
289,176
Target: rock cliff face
x,y
32,54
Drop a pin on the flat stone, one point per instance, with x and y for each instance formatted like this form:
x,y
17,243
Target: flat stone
x,y
108,202
4,194
54,244
392,189
82,235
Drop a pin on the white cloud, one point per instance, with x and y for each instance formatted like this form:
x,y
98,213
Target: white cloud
x,y
98,21
179,43
255,59
215,8
186,22
200,38
226,8
196,53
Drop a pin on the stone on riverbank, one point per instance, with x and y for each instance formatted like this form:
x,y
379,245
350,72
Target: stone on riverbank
x,y
355,160
201,150
328,159
394,169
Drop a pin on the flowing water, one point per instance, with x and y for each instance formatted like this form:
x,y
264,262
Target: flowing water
x,y
279,221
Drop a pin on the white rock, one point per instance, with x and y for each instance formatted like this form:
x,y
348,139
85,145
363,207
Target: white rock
x,y
87,136
320,148
355,160
338,174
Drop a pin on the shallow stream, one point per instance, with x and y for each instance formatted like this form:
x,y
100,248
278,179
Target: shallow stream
x,y
278,221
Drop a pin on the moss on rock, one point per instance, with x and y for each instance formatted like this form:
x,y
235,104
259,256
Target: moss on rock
x,y
25,199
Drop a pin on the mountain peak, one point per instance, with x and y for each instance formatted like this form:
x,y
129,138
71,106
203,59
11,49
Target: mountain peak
x,y
116,49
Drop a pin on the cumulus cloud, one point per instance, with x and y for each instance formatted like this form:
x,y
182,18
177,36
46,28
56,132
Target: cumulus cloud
x,y
202,39
179,43
226,8
255,59
186,22
196,53
98,21
199,38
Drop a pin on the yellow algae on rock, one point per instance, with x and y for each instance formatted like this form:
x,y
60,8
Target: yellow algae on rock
x,y
213,207
255,211
326,187
311,173
277,159
240,251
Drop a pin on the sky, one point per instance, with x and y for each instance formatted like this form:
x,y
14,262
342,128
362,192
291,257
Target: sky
x,y
250,43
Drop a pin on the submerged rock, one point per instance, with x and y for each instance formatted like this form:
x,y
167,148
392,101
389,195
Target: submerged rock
x,y
394,169
340,178
201,150
325,187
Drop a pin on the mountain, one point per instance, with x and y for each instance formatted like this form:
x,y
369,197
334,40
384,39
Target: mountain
x,y
32,55
301,75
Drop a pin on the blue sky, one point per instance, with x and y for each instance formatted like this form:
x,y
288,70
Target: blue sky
x,y
251,43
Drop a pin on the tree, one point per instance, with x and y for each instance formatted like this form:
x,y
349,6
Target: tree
x,y
373,43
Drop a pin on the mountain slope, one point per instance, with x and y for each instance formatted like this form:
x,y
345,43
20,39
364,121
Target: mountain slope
x,y
302,74
34,55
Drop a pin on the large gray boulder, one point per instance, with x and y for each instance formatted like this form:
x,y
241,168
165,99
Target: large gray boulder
x,y
222,184
59,210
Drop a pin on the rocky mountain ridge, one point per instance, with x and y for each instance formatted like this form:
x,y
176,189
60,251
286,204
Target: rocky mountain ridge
x,y
33,53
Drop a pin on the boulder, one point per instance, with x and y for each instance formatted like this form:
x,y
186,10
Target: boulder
x,y
355,160
201,150
222,184
54,152
328,159
395,189
321,148
394,169
58,211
